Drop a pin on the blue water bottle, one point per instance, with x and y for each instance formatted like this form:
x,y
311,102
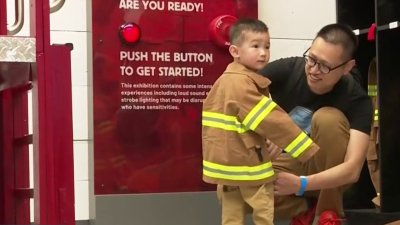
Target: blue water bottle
x,y
302,117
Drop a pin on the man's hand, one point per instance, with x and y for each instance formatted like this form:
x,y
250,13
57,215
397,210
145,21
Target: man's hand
x,y
273,150
286,183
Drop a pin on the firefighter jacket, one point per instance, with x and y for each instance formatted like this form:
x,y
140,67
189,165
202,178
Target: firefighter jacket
x,y
237,118
373,148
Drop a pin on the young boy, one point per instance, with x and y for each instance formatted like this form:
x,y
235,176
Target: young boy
x,y
238,118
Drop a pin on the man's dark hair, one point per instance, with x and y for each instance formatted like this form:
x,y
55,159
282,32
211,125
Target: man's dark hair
x,y
245,24
340,34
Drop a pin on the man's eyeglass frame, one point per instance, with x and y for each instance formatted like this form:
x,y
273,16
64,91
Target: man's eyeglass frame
x,y
307,57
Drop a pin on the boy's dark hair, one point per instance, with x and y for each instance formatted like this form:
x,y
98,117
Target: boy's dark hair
x,y
340,34
245,24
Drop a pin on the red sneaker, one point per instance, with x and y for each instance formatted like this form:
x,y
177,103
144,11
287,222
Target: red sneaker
x,y
305,218
329,217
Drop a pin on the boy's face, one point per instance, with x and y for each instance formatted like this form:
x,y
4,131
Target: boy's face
x,y
253,51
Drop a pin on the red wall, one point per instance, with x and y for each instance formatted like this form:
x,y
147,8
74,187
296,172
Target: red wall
x,y
147,95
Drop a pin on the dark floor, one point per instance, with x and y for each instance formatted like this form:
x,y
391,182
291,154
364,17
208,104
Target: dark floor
x,y
370,217
364,217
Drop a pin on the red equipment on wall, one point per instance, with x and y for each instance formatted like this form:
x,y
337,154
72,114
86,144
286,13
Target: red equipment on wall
x,y
46,71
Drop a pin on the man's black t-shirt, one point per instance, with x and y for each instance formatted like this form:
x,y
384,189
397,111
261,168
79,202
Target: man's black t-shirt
x,y
289,89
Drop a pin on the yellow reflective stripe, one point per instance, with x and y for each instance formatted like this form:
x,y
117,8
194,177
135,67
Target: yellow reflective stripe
x,y
298,145
258,113
376,117
238,177
222,121
372,90
237,172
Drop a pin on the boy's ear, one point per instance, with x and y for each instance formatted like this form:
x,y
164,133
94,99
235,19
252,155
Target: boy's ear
x,y
234,51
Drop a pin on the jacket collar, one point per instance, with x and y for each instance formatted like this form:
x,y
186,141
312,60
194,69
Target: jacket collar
x,y
238,68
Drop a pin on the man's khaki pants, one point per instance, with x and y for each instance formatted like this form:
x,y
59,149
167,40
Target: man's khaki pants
x,y
330,130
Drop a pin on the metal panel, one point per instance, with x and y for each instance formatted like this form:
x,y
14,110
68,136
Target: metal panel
x,y
158,209
17,49
191,208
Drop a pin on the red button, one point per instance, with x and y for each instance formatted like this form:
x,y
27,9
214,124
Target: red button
x,y
129,33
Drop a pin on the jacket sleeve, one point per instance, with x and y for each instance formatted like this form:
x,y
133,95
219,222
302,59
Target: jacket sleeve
x,y
260,114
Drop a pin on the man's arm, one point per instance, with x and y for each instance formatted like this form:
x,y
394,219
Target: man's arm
x,y
345,173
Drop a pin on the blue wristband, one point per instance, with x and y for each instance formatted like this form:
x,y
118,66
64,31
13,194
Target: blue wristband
x,y
303,185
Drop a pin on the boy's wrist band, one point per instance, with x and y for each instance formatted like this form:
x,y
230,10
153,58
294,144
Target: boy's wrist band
x,y
303,185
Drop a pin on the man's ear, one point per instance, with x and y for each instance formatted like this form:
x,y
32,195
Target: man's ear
x,y
234,51
349,65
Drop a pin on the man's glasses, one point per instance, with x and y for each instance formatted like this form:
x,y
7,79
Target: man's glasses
x,y
310,61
